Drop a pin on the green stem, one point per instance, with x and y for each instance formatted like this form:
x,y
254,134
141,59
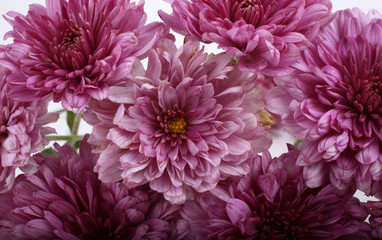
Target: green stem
x,y
73,138
76,124
64,138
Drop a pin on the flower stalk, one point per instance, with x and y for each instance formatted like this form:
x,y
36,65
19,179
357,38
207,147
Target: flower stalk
x,y
73,138
65,138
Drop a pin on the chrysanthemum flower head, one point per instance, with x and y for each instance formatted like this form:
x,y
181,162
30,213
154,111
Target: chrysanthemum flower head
x,y
272,202
65,200
22,131
74,50
332,101
185,122
267,35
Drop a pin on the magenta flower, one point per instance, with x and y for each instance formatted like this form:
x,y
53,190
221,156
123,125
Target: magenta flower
x,y
65,200
266,35
374,208
186,122
272,202
332,101
74,50
22,131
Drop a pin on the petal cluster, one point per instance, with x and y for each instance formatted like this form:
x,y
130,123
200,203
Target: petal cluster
x,y
22,131
332,101
267,35
272,202
65,200
74,50
374,208
186,122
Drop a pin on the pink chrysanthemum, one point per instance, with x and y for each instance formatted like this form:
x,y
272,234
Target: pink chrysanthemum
x,y
76,49
272,202
65,200
188,120
22,131
332,101
266,35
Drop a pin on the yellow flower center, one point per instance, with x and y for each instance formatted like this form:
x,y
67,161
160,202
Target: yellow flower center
x,y
177,125
266,119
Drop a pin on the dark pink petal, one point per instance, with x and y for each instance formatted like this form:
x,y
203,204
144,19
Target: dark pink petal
x,y
237,211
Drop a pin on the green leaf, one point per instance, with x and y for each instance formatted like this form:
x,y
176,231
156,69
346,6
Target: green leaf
x,y
70,116
49,152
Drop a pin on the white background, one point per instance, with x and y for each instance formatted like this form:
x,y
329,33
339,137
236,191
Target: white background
x,y
151,8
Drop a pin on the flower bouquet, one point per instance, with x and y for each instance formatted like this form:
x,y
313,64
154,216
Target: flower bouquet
x,y
177,135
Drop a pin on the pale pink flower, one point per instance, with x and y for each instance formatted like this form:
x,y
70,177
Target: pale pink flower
x,y
74,50
22,131
266,35
65,200
332,101
186,122
272,202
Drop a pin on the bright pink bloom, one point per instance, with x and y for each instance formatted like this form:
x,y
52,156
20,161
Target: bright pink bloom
x,y
22,131
333,102
76,49
65,200
187,121
266,35
272,202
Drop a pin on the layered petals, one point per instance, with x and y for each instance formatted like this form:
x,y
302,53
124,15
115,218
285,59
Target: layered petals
x,y
188,122
22,131
332,101
267,36
76,50
273,202
65,200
